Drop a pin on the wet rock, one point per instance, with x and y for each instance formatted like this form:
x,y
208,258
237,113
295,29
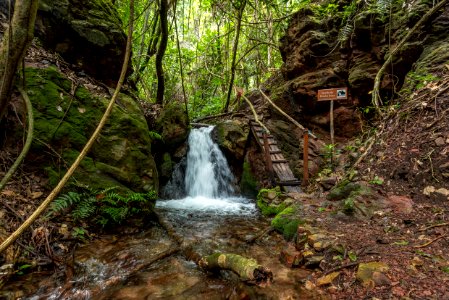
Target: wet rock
x,y
290,257
371,274
327,279
231,136
400,204
173,126
271,195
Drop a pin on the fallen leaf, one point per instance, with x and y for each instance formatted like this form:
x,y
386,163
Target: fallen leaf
x,y
9,193
35,195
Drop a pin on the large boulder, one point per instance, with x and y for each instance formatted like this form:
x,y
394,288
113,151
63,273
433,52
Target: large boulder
x,y
86,33
121,155
231,136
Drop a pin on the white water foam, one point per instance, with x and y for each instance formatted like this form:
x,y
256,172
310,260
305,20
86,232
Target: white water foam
x,y
208,180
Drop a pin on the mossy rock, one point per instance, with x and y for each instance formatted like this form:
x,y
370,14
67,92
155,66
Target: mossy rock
x,y
173,126
121,155
231,136
287,222
248,183
342,190
266,205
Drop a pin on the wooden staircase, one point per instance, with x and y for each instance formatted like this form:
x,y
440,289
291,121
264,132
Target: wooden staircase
x,y
276,164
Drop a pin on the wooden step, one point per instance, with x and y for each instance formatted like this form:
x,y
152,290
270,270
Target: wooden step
x,y
275,152
279,161
289,183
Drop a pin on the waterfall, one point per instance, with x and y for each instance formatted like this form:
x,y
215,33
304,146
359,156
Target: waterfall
x,y
208,180
208,172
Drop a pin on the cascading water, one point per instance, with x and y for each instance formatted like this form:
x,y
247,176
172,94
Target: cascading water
x,y
208,182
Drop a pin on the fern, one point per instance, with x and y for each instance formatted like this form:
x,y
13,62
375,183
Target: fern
x,y
84,209
64,202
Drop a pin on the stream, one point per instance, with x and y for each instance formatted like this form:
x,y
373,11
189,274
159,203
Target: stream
x,y
208,213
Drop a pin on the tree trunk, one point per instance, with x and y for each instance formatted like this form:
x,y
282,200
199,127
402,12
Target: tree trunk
x,y
234,52
13,47
161,51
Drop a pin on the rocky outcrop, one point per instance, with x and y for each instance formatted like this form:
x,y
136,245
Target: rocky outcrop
x,y
86,33
324,52
66,116
231,136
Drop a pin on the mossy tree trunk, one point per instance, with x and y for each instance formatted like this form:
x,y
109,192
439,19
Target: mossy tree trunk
x,y
13,47
247,269
163,11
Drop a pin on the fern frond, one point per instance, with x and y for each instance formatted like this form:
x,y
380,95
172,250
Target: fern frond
x,y
84,209
64,201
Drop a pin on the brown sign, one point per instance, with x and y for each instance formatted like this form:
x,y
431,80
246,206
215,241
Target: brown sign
x,y
333,94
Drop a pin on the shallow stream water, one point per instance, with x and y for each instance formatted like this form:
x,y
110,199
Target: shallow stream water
x,y
210,216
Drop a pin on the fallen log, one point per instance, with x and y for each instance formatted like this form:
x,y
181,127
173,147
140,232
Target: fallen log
x,y
247,269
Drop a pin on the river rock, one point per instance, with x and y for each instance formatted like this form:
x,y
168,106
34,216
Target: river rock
x,y
86,33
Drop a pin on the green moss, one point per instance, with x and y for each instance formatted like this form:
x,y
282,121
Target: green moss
x,y
269,209
248,184
342,190
287,222
122,153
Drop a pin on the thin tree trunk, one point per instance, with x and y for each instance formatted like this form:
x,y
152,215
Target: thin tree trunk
x,y
234,53
180,66
15,42
152,48
161,51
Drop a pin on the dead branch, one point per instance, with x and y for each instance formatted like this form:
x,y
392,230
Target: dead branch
x,y
429,242
285,114
264,232
433,226
256,117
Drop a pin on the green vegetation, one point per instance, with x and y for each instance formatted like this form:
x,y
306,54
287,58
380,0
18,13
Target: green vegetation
x,y
267,207
287,222
104,207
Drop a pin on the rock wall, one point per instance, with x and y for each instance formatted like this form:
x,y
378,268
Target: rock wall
x,y
325,52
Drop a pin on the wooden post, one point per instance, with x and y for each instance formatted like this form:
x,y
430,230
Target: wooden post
x,y
268,161
331,116
305,179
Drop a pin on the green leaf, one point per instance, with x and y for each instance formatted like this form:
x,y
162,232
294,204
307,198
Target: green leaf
x,y
352,256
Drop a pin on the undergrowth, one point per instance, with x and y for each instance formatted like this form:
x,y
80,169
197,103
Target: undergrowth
x,y
104,207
